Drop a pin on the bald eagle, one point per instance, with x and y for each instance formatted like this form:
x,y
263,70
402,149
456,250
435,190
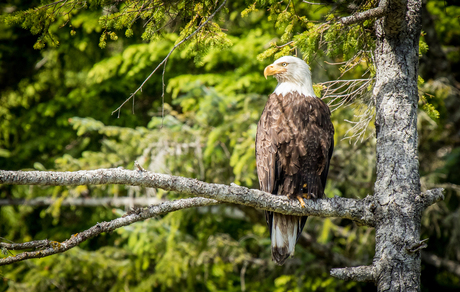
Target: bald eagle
x,y
294,144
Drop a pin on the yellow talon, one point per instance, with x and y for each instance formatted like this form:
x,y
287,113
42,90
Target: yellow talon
x,y
302,203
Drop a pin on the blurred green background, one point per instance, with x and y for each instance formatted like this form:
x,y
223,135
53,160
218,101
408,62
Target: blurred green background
x,y
55,114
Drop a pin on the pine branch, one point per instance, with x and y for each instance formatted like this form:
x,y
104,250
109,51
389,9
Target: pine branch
x,y
378,12
165,60
54,247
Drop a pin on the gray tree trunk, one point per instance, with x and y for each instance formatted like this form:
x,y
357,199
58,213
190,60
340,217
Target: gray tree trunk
x,y
397,189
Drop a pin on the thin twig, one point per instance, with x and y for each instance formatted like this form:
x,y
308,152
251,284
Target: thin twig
x,y
163,94
340,63
313,3
169,54
51,4
286,44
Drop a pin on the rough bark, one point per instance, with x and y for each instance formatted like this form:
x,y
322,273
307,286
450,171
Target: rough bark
x,y
398,208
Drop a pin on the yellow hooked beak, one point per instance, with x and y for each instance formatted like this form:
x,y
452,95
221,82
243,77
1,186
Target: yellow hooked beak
x,y
273,69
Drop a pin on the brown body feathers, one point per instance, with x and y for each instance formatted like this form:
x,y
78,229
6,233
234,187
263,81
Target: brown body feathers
x,y
294,143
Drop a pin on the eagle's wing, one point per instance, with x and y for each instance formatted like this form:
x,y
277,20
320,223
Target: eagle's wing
x,y
294,144
269,169
279,148
295,140
267,148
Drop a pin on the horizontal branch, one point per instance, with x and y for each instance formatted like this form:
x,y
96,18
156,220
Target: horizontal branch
x,y
83,202
359,274
378,12
54,247
25,245
353,209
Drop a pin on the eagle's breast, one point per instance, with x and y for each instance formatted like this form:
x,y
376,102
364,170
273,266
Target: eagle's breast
x,y
293,139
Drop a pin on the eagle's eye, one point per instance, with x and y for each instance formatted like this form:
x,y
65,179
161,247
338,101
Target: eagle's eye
x,y
284,64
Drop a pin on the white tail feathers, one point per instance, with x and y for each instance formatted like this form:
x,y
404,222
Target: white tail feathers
x,y
285,229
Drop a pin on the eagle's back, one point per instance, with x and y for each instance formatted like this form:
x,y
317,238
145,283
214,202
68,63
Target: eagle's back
x,y
294,138
294,144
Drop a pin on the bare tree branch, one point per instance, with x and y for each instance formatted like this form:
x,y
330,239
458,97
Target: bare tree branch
x,y
368,14
430,197
361,211
341,92
169,54
353,209
54,247
360,274
313,3
25,245
83,202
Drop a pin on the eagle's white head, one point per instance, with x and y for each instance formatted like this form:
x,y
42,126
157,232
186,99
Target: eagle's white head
x,y
293,74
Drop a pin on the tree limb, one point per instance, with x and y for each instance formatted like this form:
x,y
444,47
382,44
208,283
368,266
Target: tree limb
x,y
361,211
360,274
353,209
430,197
83,202
25,245
54,247
378,12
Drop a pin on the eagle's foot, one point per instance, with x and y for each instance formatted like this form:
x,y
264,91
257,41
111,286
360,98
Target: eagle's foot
x,y
302,203
307,196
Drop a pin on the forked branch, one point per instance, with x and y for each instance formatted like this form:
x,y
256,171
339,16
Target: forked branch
x,y
53,247
359,211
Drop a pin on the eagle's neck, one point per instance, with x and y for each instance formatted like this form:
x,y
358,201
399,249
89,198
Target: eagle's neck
x,y
304,88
